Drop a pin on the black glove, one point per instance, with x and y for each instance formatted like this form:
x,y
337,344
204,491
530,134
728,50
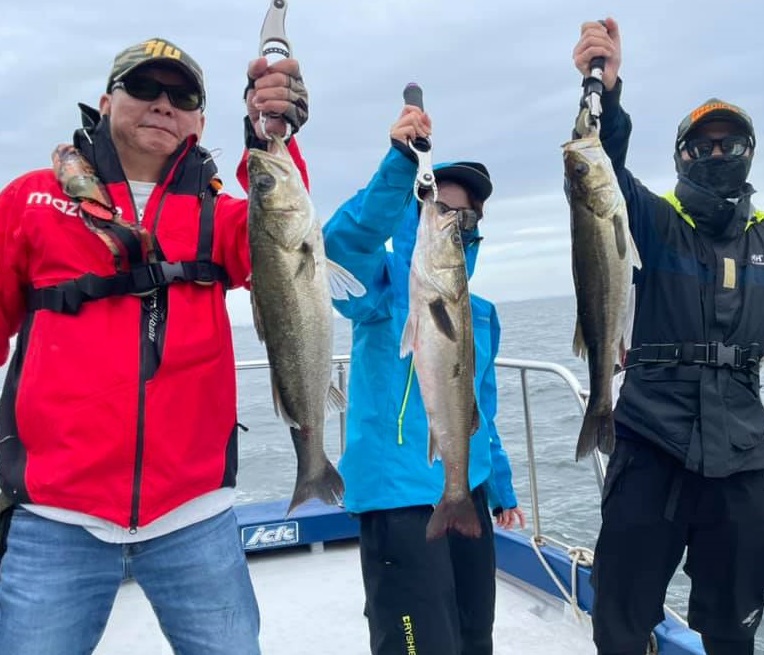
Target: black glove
x,y
297,112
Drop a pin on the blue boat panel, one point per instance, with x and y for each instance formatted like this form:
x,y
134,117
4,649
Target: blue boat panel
x,y
264,526
515,556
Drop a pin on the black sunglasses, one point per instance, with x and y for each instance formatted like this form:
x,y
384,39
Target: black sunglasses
x,y
147,88
701,147
467,219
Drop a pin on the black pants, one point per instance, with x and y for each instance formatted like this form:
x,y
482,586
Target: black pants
x,y
652,507
428,598
473,562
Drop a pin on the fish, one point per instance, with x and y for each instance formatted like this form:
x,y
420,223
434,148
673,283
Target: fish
x,y
292,287
603,258
439,335
80,182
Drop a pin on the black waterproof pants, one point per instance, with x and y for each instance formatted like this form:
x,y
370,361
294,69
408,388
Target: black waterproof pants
x,y
474,565
428,598
652,508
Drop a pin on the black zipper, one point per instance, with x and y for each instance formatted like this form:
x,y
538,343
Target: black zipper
x,y
153,319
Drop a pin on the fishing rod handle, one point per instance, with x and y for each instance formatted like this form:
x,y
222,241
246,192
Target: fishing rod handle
x,y
412,95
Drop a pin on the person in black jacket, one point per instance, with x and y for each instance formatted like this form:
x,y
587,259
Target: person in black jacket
x,y
688,465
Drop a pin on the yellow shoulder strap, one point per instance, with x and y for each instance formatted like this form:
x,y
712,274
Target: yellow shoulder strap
x,y
757,216
670,196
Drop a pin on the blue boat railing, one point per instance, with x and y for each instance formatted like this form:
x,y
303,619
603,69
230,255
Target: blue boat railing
x,y
523,366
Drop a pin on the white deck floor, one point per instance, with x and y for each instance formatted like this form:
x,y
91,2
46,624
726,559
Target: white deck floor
x,y
312,602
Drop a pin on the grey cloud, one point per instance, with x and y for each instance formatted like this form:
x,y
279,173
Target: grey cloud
x,y
498,79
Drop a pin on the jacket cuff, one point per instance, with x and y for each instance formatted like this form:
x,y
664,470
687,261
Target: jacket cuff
x,y
612,99
397,169
404,150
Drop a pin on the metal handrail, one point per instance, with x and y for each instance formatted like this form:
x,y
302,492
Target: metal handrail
x,y
580,394
522,365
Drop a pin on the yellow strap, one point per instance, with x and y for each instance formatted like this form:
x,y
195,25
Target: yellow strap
x,y
757,217
405,402
670,196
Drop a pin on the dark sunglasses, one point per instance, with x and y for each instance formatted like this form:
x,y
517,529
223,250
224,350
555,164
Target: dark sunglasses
x,y
701,147
147,88
467,219
470,238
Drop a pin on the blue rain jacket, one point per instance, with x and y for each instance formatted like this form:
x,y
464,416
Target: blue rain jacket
x,y
385,464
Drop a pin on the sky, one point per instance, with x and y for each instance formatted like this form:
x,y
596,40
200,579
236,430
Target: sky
x,y
498,80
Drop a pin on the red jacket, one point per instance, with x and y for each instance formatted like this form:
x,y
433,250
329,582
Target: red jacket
x,y
97,429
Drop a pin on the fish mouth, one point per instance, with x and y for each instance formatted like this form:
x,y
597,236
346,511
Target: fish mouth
x,y
266,163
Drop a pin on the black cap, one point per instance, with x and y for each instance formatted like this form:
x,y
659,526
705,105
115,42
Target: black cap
x,y
714,109
469,174
155,51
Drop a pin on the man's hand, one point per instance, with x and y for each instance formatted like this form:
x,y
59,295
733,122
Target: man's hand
x,y
276,89
598,40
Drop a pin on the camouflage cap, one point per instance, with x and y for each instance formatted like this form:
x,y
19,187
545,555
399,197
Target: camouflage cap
x,y
714,109
155,51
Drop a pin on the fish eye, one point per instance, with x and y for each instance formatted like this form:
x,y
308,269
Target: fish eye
x,y
456,238
581,168
265,182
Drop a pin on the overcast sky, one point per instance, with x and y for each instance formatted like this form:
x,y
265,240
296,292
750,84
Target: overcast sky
x,y
498,80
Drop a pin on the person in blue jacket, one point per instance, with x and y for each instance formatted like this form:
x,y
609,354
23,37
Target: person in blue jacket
x,y
430,597
687,472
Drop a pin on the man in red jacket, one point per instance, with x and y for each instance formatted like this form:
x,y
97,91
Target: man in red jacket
x,y
118,415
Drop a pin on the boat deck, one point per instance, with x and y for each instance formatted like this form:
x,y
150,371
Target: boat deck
x,y
317,608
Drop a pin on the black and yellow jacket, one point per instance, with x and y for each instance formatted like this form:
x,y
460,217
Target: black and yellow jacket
x,y
692,380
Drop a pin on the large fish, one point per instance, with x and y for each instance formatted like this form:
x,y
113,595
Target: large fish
x,y
292,307
439,333
604,255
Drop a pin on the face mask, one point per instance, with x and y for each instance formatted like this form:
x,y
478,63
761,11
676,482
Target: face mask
x,y
724,175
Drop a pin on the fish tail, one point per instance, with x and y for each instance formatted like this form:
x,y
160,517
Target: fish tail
x,y
458,514
326,486
597,431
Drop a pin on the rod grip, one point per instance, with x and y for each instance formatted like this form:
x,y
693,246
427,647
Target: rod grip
x,y
412,95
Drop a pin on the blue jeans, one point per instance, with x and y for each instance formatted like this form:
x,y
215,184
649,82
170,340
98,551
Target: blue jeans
x,y
58,584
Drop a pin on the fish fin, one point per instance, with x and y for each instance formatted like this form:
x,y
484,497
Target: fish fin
x,y
621,227
623,348
257,317
408,340
597,431
342,283
475,425
433,452
579,345
636,260
278,404
326,486
454,514
336,401
307,266
442,320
